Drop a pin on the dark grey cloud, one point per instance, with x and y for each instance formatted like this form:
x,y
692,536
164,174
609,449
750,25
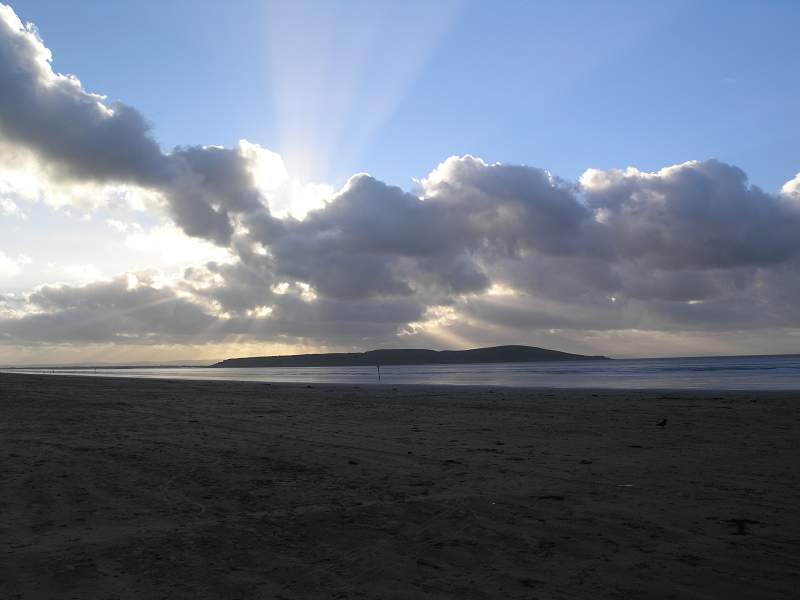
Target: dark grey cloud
x,y
511,209
70,130
695,215
208,186
116,311
374,239
78,136
235,288
339,322
108,311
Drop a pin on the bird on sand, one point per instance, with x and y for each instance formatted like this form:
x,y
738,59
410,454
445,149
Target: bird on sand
x,y
662,423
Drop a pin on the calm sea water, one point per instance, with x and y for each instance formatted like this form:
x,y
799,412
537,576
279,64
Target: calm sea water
x,y
720,373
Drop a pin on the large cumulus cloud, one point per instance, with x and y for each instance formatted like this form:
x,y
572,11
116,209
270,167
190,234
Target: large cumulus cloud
x,y
71,130
76,136
698,214
477,249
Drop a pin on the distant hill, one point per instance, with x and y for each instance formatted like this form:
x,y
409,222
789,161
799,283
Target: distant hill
x,y
496,354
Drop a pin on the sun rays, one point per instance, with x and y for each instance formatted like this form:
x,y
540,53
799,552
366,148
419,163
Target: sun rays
x,y
337,72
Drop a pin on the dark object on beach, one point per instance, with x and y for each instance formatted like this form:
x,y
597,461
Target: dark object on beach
x,y
662,423
742,525
497,354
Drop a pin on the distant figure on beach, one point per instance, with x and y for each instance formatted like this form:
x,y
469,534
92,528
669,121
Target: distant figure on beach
x,y
379,371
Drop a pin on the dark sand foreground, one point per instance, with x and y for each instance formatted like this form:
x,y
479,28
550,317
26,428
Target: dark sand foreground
x,y
133,488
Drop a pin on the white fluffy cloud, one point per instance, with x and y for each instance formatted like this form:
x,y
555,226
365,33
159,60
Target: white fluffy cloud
x,y
24,179
8,208
8,266
791,189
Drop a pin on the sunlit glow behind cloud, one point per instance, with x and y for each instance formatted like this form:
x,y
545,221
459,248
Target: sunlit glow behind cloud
x,y
286,196
338,71
167,246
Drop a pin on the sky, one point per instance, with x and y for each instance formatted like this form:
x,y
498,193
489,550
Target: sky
x,y
199,180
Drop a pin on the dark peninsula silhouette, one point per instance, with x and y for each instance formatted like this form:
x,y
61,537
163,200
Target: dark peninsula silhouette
x,y
496,354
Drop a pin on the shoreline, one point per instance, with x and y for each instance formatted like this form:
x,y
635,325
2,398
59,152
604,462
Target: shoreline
x,y
142,487
382,386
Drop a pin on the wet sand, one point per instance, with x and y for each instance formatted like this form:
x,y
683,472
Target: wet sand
x,y
133,488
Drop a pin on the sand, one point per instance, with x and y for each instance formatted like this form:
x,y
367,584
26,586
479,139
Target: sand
x,y
132,488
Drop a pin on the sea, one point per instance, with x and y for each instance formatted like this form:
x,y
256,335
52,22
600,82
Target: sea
x,y
696,373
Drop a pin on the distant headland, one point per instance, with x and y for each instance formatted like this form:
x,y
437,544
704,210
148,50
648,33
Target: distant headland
x,y
495,354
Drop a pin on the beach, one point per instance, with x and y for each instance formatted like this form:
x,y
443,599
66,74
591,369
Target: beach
x,y
134,488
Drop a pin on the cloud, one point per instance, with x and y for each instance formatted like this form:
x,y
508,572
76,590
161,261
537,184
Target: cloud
x,y
698,214
72,131
135,309
372,239
478,252
70,137
112,310
489,246
791,190
502,249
